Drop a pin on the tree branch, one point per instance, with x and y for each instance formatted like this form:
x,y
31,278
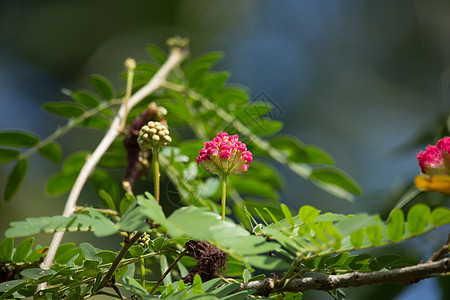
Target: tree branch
x,y
175,57
406,275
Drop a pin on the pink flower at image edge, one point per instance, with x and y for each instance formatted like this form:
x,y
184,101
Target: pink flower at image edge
x,y
436,158
225,155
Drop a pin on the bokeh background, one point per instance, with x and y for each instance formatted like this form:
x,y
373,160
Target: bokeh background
x,y
358,78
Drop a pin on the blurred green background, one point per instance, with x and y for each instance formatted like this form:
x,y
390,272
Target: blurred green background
x,y
358,78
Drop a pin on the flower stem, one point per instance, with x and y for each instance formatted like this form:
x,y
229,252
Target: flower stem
x,y
130,64
142,265
224,195
156,174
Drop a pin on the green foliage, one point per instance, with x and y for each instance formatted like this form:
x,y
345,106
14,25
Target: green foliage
x,y
267,234
103,86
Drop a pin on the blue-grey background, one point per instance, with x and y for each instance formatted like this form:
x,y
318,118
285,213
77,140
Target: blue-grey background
x,y
357,78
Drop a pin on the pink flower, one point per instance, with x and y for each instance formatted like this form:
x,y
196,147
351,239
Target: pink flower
x,y
225,155
436,159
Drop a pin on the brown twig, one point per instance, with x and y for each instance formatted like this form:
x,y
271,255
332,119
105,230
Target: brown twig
x,y
118,259
406,275
441,252
172,265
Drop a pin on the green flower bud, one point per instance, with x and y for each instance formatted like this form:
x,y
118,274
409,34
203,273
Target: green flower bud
x,y
153,134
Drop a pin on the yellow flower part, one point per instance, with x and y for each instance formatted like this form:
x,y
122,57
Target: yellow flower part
x,y
435,183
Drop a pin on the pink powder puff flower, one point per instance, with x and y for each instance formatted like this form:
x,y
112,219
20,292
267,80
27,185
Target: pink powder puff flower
x,y
225,155
436,159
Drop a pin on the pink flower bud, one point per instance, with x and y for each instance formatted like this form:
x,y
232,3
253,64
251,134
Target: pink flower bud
x,y
225,155
436,159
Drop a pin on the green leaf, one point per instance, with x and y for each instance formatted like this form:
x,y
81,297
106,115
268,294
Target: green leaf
x,y
335,182
253,112
210,285
241,295
102,85
74,163
307,214
89,251
113,160
66,252
59,184
213,83
316,155
356,222
330,217
15,178
374,234
133,286
197,287
357,238
266,127
86,98
18,139
337,260
356,262
102,180
135,251
8,155
106,256
126,202
183,270
208,187
225,290
107,199
51,151
9,285
197,68
287,214
246,275
320,262
267,262
164,267
23,250
229,97
383,261
265,172
159,55
36,273
96,122
190,172
440,216
291,147
143,73
64,109
396,225
292,296
417,218
36,255
6,249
